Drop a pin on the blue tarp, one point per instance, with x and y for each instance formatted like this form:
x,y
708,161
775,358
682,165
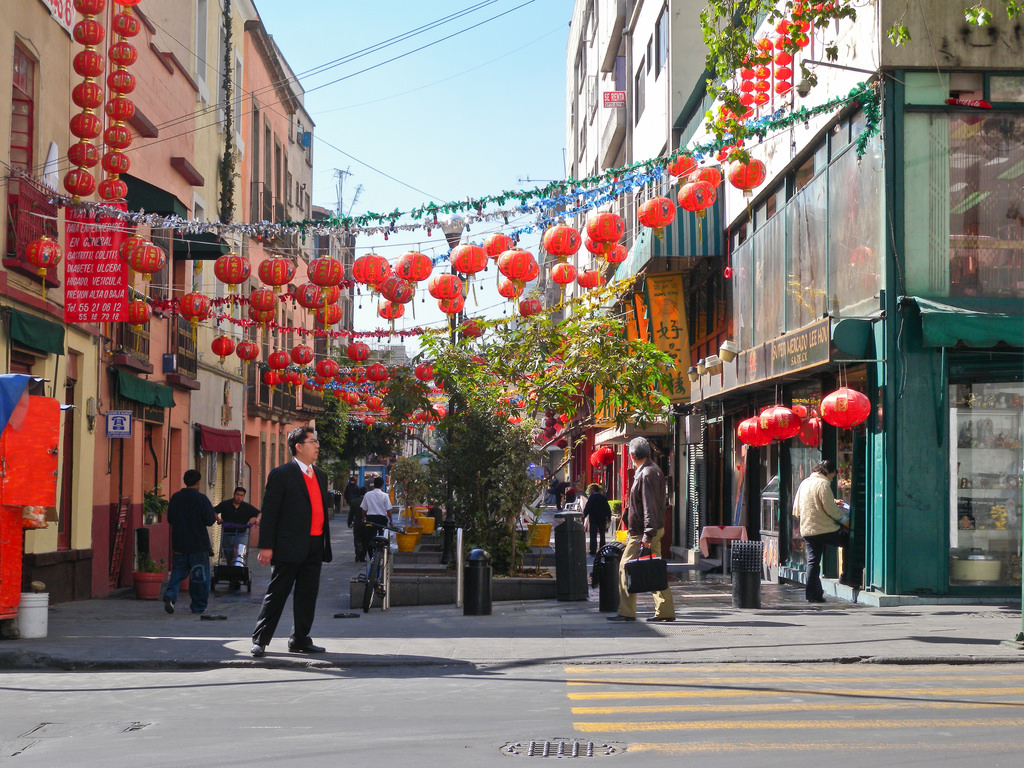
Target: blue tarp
x,y
12,387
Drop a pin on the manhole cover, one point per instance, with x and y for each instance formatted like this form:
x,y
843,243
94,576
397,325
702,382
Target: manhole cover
x,y
561,748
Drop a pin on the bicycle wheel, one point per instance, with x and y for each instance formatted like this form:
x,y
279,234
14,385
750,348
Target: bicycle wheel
x,y
372,580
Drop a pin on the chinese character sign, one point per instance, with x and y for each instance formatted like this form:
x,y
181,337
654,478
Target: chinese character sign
x,y
666,317
95,276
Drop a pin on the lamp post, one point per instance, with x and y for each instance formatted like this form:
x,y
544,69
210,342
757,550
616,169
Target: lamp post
x,y
452,227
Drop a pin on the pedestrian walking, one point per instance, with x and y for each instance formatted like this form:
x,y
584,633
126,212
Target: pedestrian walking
x,y
596,514
816,507
645,528
353,495
189,513
295,541
234,538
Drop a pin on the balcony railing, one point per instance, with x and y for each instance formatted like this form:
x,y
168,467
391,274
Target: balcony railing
x,y
30,215
185,348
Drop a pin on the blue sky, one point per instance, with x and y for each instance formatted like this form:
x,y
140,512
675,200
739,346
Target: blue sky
x,y
468,116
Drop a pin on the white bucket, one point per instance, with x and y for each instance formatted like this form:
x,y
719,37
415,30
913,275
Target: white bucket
x,y
33,614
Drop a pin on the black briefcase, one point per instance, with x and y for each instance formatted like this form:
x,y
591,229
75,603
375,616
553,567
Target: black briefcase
x,y
646,574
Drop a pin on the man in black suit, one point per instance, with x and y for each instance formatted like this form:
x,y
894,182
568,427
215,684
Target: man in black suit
x,y
295,541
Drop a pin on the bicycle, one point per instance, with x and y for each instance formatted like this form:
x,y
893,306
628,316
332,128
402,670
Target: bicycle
x,y
378,571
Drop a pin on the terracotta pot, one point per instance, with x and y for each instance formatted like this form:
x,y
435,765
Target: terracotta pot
x,y
147,585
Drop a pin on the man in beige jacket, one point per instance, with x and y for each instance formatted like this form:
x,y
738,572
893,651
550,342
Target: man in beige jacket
x,y
815,506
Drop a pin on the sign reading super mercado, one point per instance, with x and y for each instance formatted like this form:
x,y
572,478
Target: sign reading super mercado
x,y
95,277
63,12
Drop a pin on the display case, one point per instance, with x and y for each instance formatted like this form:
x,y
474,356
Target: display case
x,y
986,477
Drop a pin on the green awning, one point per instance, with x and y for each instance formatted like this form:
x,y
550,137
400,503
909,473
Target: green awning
x,y
200,246
143,196
946,325
37,333
142,391
686,237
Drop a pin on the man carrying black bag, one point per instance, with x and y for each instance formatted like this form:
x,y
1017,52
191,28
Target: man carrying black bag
x,y
645,525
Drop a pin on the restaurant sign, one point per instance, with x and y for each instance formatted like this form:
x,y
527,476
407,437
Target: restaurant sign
x,y
63,12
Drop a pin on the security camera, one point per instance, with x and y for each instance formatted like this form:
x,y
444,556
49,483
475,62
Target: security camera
x,y
803,88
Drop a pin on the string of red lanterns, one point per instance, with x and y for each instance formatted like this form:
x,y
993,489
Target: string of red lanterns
x,y
117,137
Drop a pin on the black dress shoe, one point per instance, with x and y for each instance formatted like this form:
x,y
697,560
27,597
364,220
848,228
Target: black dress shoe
x,y
618,618
258,650
310,648
662,618
168,605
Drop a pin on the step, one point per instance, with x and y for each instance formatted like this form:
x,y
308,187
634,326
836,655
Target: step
x,y
440,590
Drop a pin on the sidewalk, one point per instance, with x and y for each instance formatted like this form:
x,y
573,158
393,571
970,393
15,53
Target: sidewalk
x,y
121,632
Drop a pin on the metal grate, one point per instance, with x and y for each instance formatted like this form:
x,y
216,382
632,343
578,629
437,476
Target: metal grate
x,y
561,748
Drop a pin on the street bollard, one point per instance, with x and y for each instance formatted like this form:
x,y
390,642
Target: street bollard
x,y
606,575
746,574
476,599
570,557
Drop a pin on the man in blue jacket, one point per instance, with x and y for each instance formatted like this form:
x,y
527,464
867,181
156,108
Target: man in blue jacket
x,y
190,513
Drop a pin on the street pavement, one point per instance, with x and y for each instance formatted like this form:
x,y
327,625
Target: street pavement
x,y
120,632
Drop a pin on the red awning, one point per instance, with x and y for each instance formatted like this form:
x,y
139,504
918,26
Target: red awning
x,y
220,440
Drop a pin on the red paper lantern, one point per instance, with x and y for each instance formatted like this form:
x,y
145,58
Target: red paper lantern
x,y
147,259
510,289
606,227
589,278
561,241
195,306
370,269
657,213
278,360
116,163
276,271
327,368
749,431
113,189
396,289
117,137
563,273
88,63
262,316
377,372
309,296
88,31
683,165
390,310
697,196
747,176
617,255
711,175
123,53
233,270
87,95
469,259
263,300
452,306
129,244
357,351
606,454
471,329
845,408
330,294
90,7
125,25
139,313
329,315
120,108
444,286
497,244
810,432
272,378
326,271
595,459
248,351
784,422
374,403
83,154
86,125
530,307
222,346
301,354
43,253
369,420
414,266
424,371
517,265
121,81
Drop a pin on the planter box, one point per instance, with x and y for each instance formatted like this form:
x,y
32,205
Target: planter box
x,y
440,590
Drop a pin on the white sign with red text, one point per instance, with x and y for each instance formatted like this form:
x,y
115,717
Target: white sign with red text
x,y
63,12
95,276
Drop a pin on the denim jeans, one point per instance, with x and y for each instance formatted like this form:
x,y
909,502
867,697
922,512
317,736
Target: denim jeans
x,y
196,567
815,549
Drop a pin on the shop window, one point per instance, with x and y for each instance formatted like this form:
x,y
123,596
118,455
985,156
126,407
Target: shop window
x,y
963,179
856,187
985,471
639,87
806,298
768,275
661,40
1006,88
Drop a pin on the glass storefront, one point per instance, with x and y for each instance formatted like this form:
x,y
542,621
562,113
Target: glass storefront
x,y
986,470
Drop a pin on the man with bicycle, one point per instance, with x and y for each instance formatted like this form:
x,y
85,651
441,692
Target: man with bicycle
x,y
376,508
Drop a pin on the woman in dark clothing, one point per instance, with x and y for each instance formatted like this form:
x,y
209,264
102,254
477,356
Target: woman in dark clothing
x,y
597,512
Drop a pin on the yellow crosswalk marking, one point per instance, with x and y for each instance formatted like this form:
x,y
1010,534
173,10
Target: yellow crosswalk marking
x,y
794,707
718,747
763,678
834,725
757,690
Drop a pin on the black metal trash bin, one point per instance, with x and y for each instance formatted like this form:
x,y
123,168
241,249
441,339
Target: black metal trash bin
x,y
605,576
746,573
476,595
570,557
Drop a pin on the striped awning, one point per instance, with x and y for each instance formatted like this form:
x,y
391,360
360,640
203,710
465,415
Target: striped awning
x,y
687,237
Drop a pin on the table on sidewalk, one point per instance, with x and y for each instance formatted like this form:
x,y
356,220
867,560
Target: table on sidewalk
x,y
722,535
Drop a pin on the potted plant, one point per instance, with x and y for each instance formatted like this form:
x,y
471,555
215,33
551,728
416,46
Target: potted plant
x,y
148,578
154,505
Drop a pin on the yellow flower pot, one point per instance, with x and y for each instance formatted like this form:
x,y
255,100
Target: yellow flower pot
x,y
426,523
407,541
541,535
